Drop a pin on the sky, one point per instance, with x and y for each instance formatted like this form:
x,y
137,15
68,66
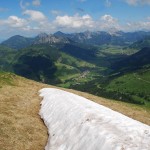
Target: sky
x,y
31,17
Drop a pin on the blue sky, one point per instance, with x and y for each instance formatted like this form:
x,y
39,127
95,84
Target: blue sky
x,y
30,17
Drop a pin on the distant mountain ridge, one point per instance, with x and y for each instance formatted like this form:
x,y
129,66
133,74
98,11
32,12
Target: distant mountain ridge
x,y
145,42
102,37
44,38
87,37
18,42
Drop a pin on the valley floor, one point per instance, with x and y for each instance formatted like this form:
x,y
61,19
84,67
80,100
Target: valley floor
x,y
21,125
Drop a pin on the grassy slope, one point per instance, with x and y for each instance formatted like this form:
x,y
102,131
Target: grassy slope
x,y
21,126
6,55
135,84
63,66
69,67
114,49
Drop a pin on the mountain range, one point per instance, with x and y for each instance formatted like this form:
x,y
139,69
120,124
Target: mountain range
x,y
87,37
100,63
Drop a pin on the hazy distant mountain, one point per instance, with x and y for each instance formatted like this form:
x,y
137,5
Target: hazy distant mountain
x,y
96,38
18,42
102,37
44,38
87,37
59,33
145,42
128,37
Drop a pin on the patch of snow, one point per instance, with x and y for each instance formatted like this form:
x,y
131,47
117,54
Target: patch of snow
x,y
76,123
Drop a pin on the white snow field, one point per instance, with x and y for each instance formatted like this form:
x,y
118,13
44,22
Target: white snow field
x,y
76,123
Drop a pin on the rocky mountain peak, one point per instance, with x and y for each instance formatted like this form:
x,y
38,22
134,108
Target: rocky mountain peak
x,y
44,38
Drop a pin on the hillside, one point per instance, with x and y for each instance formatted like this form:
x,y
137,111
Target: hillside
x,y
57,59
6,56
134,85
48,64
21,126
145,42
134,62
17,42
127,81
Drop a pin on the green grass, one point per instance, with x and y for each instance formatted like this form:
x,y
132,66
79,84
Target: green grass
x,y
115,50
67,59
129,83
144,75
6,79
136,85
70,70
131,87
111,49
78,79
65,72
6,56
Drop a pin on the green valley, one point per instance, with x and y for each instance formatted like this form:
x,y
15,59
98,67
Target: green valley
x,y
112,70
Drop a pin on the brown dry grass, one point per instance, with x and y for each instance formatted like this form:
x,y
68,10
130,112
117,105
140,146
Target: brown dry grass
x,y
20,125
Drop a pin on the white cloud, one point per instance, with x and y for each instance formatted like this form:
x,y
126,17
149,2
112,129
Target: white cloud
x,y
75,21
36,2
108,19
32,25
13,25
35,15
14,21
137,2
141,25
107,23
35,22
78,23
